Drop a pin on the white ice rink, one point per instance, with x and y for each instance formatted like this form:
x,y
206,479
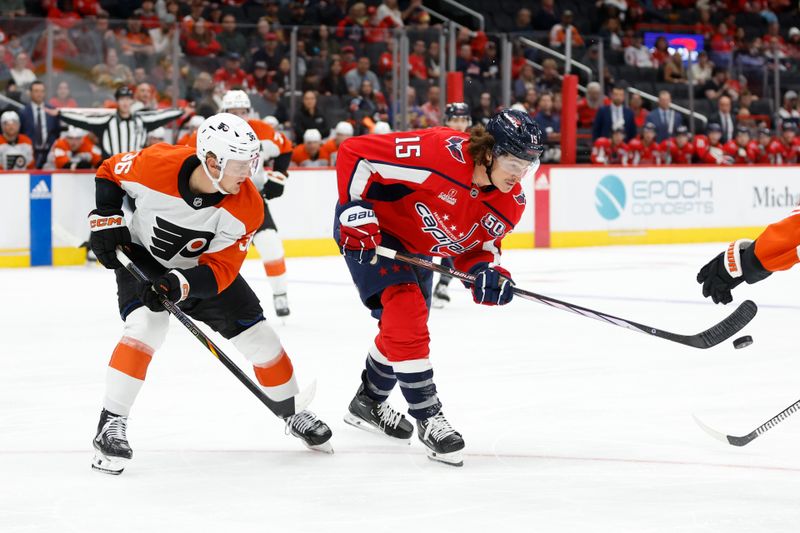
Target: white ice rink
x,y
571,425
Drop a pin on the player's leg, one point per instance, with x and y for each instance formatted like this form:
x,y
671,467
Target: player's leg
x,y
143,333
270,248
441,295
237,315
404,334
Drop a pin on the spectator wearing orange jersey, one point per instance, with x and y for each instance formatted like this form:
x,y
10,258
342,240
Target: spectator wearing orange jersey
x,y
74,151
343,130
558,33
308,154
16,149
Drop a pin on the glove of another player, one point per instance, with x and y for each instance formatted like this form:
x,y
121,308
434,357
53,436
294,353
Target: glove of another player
x,y
493,284
273,188
108,230
359,232
730,268
172,285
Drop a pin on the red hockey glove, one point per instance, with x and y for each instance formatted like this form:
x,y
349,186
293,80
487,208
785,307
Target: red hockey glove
x,y
108,230
359,233
493,284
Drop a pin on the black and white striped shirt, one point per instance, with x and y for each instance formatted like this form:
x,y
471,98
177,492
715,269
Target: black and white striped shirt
x,y
118,135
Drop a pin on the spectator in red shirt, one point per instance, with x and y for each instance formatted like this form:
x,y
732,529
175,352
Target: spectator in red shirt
x,y
348,59
661,53
352,27
417,61
201,42
231,74
147,14
639,112
721,46
62,97
588,105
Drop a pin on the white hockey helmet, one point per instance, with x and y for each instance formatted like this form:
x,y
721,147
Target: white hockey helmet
x,y
312,135
232,141
382,128
9,116
75,133
235,100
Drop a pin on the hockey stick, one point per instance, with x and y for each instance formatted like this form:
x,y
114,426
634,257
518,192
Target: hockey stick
x,y
283,408
753,435
705,339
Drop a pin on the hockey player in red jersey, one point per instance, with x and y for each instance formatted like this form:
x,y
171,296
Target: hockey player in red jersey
x,y
611,151
784,150
433,192
645,151
196,213
678,150
710,150
752,261
764,140
742,149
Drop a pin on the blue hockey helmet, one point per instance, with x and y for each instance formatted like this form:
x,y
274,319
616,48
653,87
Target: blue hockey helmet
x,y
515,133
456,109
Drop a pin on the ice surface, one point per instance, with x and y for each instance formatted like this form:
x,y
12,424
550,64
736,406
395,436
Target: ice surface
x,y
570,424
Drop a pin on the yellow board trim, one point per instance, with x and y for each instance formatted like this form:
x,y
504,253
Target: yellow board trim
x,y
569,239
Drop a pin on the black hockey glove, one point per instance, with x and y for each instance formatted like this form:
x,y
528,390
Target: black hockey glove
x,y
493,284
273,188
172,285
108,231
730,268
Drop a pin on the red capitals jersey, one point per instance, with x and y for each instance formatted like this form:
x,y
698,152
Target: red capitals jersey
x,y
640,153
710,154
605,153
420,186
781,153
678,155
179,228
742,155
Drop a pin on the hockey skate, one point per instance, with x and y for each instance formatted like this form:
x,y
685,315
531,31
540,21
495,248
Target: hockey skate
x,y
443,443
440,296
369,415
111,444
281,303
314,433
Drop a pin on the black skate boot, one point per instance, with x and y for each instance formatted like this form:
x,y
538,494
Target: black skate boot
x,y
443,442
440,296
111,444
314,433
367,414
281,303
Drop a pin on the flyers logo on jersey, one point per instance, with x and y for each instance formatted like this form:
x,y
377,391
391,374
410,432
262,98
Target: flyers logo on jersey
x,y
170,240
454,147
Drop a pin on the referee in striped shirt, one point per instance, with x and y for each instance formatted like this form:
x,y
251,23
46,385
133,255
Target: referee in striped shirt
x,y
122,131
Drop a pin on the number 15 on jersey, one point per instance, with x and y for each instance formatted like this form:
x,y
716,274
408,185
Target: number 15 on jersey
x,y
404,147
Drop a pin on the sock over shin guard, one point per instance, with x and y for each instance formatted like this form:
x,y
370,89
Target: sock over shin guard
x,y
380,378
270,248
404,337
261,346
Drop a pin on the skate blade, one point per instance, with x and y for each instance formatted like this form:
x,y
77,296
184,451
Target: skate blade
x,y
108,465
356,422
325,447
452,458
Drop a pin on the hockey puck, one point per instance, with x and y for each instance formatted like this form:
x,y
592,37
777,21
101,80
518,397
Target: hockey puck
x,y
743,342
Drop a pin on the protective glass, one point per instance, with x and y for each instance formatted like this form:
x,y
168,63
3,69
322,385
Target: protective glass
x,y
242,167
516,166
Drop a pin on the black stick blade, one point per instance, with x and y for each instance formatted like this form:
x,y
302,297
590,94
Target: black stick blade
x,y
726,329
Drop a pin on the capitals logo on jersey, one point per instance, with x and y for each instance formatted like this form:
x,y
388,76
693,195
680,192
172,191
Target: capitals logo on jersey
x,y
170,240
454,147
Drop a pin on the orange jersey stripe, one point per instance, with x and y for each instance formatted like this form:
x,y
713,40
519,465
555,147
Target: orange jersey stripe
x,y
276,373
131,357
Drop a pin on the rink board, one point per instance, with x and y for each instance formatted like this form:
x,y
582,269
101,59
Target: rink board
x,y
43,215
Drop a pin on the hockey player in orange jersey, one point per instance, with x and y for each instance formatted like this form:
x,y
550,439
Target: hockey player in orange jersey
x,y
777,248
74,151
275,148
16,149
196,213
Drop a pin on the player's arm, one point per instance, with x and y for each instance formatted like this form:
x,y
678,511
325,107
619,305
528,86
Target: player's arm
x,y
95,124
107,222
777,248
156,119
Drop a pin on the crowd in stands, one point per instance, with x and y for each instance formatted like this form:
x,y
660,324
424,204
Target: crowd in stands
x,y
345,51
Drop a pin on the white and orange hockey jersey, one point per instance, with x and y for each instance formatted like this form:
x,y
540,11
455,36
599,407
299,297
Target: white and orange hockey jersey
x,y
179,228
16,155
